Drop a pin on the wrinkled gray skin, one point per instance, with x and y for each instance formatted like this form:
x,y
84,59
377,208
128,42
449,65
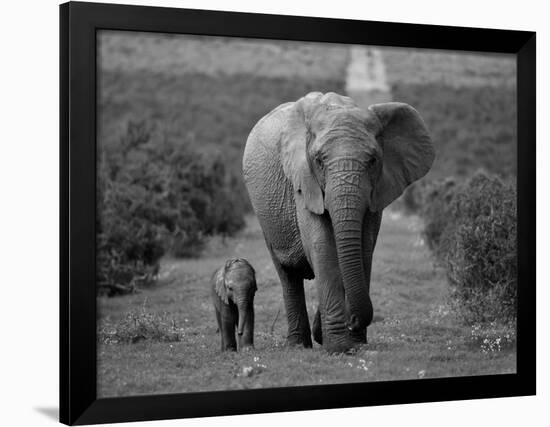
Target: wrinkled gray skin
x,y
233,289
319,172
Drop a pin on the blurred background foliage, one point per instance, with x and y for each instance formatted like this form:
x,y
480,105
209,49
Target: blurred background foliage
x,y
157,196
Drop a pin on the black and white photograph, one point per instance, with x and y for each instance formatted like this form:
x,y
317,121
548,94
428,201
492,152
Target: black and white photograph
x,y
275,213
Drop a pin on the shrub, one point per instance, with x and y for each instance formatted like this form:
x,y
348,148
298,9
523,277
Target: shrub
x,y
434,204
471,227
157,195
140,325
129,246
419,193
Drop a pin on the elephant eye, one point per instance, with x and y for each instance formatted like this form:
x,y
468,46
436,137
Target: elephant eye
x,y
319,163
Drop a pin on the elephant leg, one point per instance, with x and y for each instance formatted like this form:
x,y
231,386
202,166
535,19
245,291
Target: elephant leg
x,y
317,329
332,329
227,327
247,338
294,297
335,337
219,323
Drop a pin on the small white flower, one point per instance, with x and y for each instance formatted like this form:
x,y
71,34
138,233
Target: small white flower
x,y
247,371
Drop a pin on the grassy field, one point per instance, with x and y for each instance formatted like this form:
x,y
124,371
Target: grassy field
x,y
449,68
415,334
179,55
213,89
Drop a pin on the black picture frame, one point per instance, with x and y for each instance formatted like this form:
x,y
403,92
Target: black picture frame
x,y
79,23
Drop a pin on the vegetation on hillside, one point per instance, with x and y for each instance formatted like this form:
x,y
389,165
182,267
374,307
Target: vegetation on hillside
x,y
174,176
157,195
472,127
469,216
171,135
185,54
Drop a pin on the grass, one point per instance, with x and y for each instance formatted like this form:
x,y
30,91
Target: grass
x,y
179,55
138,326
450,68
212,90
415,334
213,110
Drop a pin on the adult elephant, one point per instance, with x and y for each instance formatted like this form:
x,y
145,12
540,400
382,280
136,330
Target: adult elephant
x,y
319,172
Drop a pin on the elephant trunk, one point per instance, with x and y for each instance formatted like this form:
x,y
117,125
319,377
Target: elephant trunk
x,y
349,197
243,319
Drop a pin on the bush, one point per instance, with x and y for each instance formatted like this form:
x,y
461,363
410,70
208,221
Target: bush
x,y
434,204
481,254
140,325
471,227
157,196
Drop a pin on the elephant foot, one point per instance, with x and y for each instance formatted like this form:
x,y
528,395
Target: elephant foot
x,y
299,340
344,344
246,348
359,336
346,347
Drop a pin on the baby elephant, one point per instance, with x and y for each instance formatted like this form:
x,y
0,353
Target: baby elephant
x,y
233,288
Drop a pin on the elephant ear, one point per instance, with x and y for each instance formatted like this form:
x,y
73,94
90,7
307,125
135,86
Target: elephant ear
x,y
219,285
253,273
295,138
407,149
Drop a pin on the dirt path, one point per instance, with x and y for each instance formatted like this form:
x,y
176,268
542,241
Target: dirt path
x,y
414,334
366,76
